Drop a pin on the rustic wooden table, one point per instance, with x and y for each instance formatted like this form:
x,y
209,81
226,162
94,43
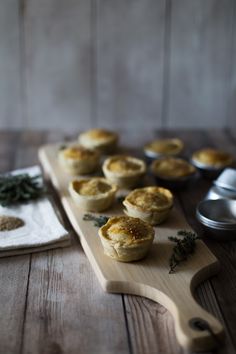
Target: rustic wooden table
x,y
51,302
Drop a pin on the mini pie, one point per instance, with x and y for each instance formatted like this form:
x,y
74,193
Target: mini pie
x,y
125,171
78,160
172,168
169,147
93,194
125,238
99,139
151,204
212,158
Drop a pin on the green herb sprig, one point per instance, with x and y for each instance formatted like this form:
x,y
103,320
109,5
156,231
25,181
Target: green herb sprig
x,y
19,188
98,220
183,249
121,198
62,147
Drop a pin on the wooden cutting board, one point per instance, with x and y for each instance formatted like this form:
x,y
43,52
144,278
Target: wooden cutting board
x,y
149,277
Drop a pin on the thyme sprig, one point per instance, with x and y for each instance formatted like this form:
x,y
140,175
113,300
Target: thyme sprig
x,y
62,147
19,188
98,220
121,198
183,249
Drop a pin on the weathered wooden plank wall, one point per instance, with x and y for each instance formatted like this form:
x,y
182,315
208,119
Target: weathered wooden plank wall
x,y
232,82
200,56
130,63
58,63
75,64
10,65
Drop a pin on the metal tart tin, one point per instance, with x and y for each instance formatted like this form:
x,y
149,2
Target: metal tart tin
x,y
176,183
207,171
224,186
227,179
216,192
173,182
151,154
218,217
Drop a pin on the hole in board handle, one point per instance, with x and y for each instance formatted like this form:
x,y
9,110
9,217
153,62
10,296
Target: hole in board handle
x,y
199,324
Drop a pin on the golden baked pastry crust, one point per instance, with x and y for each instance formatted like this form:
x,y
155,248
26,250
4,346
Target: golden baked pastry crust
x,y
172,168
125,171
151,204
169,146
125,238
78,160
212,157
93,194
99,139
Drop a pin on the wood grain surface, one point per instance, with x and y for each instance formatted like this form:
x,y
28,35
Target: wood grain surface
x,y
51,302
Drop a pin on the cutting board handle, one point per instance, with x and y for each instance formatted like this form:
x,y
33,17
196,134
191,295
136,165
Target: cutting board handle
x,y
195,328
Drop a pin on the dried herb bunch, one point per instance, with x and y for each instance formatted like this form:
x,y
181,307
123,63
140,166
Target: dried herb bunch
x,y
183,249
19,188
99,221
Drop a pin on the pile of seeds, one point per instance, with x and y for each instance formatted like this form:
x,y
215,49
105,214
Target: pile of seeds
x,y
8,223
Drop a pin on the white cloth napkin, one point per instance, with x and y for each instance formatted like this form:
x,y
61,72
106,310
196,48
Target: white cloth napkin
x,y
41,231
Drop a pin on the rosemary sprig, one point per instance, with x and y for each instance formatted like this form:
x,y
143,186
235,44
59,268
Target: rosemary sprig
x,y
98,220
183,249
19,188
